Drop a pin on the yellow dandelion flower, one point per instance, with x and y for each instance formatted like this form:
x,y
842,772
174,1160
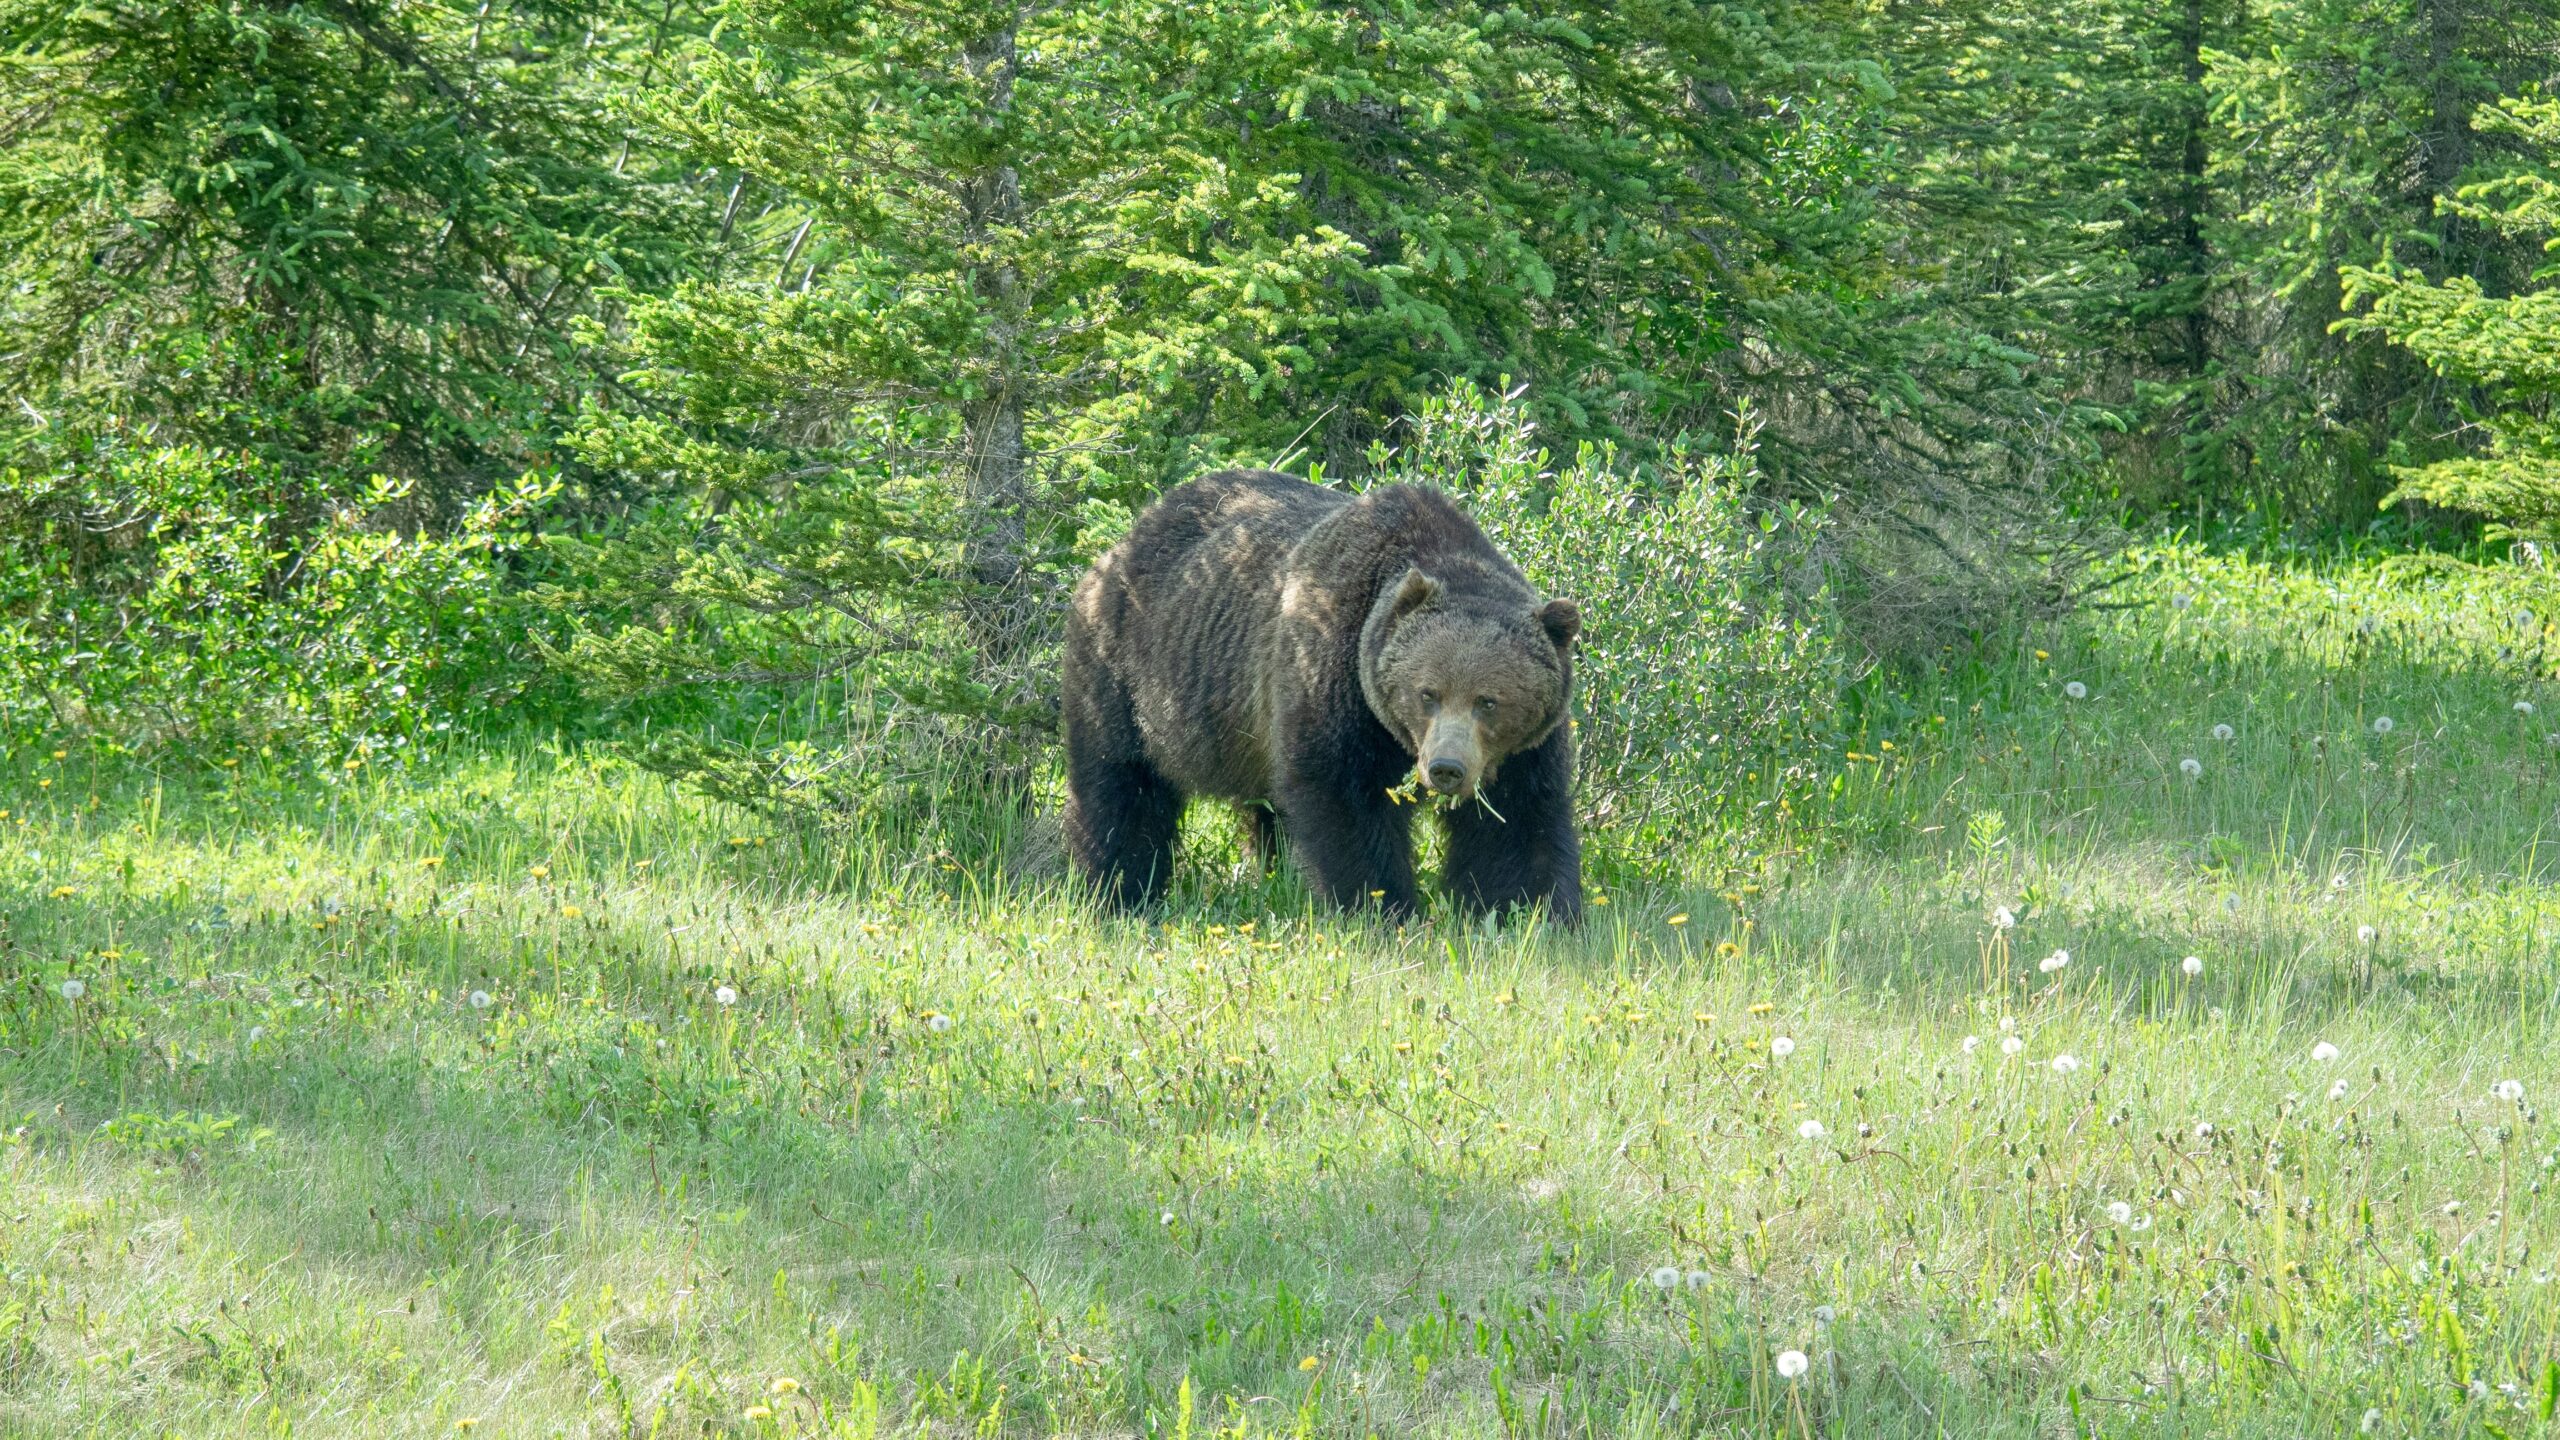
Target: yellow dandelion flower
x,y
1404,1047
759,1412
1506,999
44,784
61,754
467,1424
570,912
785,1385
540,872
355,762
65,892
1727,949
1599,899
1309,1363
2042,656
642,864
1703,1017
1884,744
1680,919
431,862
1762,1007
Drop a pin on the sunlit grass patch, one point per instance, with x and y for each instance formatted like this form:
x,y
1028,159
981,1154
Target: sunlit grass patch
x,y
2023,1077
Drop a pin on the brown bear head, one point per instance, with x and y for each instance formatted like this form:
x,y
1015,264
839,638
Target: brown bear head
x,y
1466,678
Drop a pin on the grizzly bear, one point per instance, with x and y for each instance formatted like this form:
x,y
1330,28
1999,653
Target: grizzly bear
x,y
1297,651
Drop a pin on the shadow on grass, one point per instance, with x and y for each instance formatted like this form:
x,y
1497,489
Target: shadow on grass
x,y
1082,1248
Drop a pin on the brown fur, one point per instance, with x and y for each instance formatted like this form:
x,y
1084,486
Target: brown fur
x,y
1264,641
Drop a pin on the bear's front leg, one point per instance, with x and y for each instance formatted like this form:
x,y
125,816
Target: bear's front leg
x,y
1329,784
1519,847
1354,845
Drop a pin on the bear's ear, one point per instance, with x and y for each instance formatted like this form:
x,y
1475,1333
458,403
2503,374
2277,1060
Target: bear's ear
x,y
1563,622
1414,591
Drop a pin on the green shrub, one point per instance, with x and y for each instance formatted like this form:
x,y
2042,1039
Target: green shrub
x,y
170,595
1708,674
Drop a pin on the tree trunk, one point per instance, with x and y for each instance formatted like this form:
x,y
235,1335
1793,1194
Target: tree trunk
x,y
2448,141
2191,184
998,464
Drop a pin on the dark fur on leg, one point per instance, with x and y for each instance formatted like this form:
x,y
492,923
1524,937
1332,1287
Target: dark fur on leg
x,y
1122,813
1531,853
1356,851
1121,820
1353,843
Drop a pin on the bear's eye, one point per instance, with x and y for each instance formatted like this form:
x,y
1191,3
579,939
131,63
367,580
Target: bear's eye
x,y
1485,706
1431,698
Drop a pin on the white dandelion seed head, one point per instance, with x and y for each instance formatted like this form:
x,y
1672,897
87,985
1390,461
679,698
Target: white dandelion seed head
x,y
2338,882
2204,1129
2508,1090
482,1000
2003,918
2324,1051
1792,1364
937,1022
2120,1212
1811,1130
2141,1224
2181,600
2192,768
2231,903
2076,690
73,989
1166,1217
2372,1421
725,995
2524,707
2008,1023
2011,1045
1972,1043
2223,732
2065,1064
1666,1277
2193,965
1782,1047
2367,625
2525,621
2054,961
2454,1207
2382,725
2366,934
1697,1279
2338,1090
1823,1315
257,1033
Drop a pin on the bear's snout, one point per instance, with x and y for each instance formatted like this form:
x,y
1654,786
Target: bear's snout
x,y
1452,758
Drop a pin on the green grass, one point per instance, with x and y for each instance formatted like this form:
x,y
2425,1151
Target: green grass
x,y
1258,1172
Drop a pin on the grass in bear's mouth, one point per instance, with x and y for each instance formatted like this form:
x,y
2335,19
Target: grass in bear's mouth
x,y
1414,791
520,1091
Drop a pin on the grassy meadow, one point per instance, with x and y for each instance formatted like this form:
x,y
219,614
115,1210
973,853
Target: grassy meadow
x,y
516,1094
